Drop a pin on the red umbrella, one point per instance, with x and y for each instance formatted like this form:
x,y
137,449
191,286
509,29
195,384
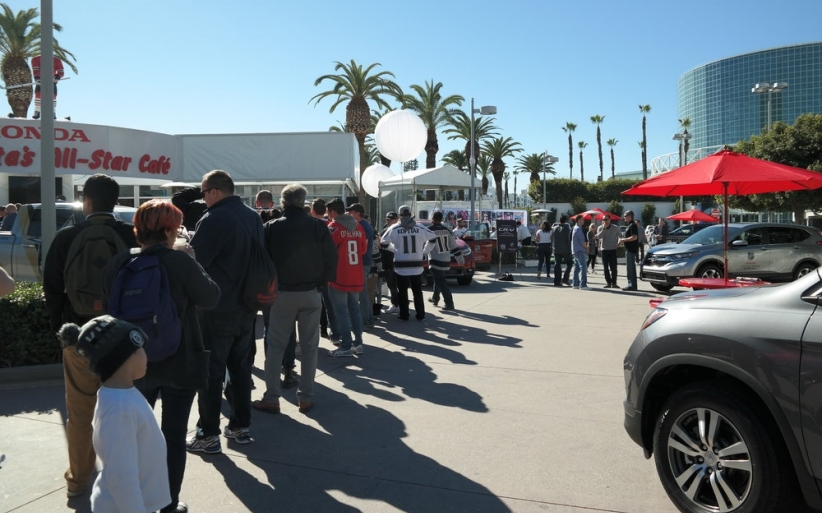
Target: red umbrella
x,y
726,172
596,213
693,215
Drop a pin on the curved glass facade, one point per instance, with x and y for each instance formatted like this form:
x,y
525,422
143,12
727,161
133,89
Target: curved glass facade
x,y
718,100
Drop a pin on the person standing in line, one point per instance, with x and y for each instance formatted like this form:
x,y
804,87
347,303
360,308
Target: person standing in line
x,y
592,247
407,240
608,235
391,218
442,248
100,195
579,246
351,246
357,211
306,260
523,236
328,319
177,378
544,249
631,249
126,435
221,245
662,232
561,239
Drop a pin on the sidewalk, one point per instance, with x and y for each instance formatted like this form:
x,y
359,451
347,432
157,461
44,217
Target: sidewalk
x,y
513,403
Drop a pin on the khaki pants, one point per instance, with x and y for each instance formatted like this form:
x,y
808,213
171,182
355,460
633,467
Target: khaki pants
x,y
81,398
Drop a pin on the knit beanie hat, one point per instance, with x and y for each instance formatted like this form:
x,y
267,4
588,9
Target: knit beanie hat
x,y
106,342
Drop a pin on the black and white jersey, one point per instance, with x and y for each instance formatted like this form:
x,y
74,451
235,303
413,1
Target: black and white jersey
x,y
442,247
408,244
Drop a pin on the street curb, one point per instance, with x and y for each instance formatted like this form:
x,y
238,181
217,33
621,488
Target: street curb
x,y
30,374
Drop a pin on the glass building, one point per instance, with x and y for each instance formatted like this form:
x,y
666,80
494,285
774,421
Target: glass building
x,y
718,97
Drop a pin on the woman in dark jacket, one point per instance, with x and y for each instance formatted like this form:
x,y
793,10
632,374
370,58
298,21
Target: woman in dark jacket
x,y
177,378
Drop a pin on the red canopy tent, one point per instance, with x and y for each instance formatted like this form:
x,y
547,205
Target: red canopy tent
x,y
693,216
726,172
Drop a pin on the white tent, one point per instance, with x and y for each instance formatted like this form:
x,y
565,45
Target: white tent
x,y
404,186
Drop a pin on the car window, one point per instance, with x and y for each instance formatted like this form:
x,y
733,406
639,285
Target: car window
x,y
64,218
754,236
787,235
710,235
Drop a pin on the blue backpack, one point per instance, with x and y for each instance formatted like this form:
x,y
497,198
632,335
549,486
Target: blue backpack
x,y
141,296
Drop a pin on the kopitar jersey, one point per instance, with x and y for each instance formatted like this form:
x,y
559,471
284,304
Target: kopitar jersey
x,y
407,241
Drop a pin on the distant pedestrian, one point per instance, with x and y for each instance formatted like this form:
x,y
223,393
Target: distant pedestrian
x,y
544,249
391,218
523,236
579,246
561,239
631,242
641,240
608,234
593,247
357,211
443,247
662,232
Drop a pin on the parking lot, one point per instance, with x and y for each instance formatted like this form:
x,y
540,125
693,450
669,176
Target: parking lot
x,y
512,403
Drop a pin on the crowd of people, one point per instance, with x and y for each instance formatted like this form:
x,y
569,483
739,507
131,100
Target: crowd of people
x,y
330,261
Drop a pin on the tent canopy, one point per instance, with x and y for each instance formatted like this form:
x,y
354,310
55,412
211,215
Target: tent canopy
x,y
445,177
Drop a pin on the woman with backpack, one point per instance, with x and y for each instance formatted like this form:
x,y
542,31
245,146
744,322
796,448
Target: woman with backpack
x,y
177,377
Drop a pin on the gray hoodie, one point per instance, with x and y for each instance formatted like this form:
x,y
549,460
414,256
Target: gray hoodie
x,y
348,221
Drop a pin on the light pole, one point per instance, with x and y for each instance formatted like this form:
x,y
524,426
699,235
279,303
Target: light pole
x,y
547,160
768,88
489,110
683,159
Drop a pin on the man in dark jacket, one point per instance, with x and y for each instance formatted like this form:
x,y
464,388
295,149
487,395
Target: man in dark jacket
x,y
306,260
221,244
561,239
100,194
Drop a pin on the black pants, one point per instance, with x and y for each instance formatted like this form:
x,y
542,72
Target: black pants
x,y
415,282
391,283
174,425
544,256
558,275
441,288
609,263
525,242
592,260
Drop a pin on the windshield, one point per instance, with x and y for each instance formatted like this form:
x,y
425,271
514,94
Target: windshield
x,y
711,235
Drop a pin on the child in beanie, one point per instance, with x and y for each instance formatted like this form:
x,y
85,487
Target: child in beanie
x,y
126,437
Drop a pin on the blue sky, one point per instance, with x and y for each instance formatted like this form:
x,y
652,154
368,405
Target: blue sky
x,y
185,66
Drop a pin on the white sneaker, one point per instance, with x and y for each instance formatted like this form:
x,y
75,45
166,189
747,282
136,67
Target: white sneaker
x,y
341,352
393,309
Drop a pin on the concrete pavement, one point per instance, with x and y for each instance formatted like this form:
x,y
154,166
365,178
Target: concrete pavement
x,y
513,403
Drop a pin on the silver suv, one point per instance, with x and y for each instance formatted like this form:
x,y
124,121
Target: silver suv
x,y
770,251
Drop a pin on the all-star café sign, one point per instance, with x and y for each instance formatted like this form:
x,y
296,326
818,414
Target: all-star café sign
x,y
87,149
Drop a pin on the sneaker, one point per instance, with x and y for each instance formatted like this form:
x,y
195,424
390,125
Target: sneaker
x,y
337,342
239,435
448,307
575,286
206,444
393,309
358,350
342,352
368,327
433,301
585,288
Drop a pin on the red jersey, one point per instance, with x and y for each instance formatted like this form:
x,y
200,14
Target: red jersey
x,y
349,238
35,67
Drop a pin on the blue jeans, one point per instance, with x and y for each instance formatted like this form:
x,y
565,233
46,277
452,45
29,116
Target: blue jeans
x,y
581,266
630,271
347,307
365,304
330,315
441,288
544,256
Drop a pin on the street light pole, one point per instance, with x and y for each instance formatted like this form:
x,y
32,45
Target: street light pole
x,y
683,159
768,88
472,160
546,159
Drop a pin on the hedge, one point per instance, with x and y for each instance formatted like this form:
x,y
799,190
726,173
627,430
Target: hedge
x,y
25,335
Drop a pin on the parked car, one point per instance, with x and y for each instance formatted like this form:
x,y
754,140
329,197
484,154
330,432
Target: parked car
x,y
724,389
770,251
685,231
464,273
20,247
481,244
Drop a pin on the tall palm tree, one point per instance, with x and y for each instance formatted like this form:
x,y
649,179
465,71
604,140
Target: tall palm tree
x,y
685,124
597,120
460,128
505,177
483,169
358,85
434,111
498,149
20,41
533,164
582,145
642,147
457,159
515,173
569,129
612,143
644,109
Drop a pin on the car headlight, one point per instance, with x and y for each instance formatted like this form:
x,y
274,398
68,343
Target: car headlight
x,y
655,315
677,257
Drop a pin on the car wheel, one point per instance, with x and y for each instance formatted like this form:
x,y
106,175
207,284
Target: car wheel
x,y
662,287
710,271
714,452
803,269
465,280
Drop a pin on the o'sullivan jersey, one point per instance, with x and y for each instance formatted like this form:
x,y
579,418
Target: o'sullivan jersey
x,y
407,241
349,238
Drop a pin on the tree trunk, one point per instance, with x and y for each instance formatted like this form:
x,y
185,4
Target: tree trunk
x,y
431,149
498,183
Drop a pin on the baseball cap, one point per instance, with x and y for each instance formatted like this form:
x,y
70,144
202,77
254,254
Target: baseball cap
x,y
405,210
391,215
356,207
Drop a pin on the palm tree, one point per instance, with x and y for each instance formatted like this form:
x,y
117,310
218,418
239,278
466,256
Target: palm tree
x,y
461,129
569,129
20,41
642,147
357,86
612,143
516,173
483,168
582,145
457,159
644,109
597,120
505,177
434,111
685,124
497,149
533,164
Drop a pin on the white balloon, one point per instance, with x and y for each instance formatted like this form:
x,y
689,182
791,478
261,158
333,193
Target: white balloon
x,y
400,135
371,178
